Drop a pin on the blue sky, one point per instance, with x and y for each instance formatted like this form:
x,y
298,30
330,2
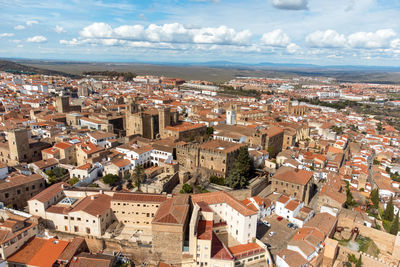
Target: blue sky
x,y
325,32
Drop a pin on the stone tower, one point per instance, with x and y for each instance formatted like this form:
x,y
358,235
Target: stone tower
x,y
288,106
132,106
133,122
18,144
164,119
62,104
231,115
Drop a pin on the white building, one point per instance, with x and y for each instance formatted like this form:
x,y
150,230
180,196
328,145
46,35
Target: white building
x,y
293,210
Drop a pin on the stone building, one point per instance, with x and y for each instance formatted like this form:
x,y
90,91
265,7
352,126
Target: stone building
x,y
296,110
294,133
150,122
16,228
273,140
17,189
216,156
136,210
63,106
293,182
169,228
72,211
19,148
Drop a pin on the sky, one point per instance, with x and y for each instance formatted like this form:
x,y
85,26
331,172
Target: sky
x,y
323,32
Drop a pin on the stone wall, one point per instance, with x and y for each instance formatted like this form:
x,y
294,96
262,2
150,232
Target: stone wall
x,y
168,243
367,260
383,240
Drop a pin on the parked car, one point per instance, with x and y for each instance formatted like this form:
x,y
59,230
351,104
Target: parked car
x,y
267,223
290,225
279,218
271,233
294,227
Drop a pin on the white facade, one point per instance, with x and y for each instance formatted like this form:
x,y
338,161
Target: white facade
x,y
242,228
231,117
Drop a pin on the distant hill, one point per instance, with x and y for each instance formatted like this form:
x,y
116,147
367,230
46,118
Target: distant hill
x,y
10,66
217,71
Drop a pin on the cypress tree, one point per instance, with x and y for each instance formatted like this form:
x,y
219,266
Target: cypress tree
x,y
375,198
359,262
389,211
395,225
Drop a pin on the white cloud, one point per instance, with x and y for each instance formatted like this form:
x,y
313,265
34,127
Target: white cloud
x,y
378,39
327,39
292,48
74,41
290,4
6,34
169,33
97,30
395,43
19,27
31,22
37,39
59,29
275,38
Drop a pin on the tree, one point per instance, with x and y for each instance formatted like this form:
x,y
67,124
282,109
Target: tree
x,y
236,180
376,162
138,175
349,198
243,163
375,197
389,211
186,189
242,170
359,262
210,130
111,179
395,225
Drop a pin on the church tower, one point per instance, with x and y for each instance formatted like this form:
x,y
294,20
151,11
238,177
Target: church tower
x,y
231,115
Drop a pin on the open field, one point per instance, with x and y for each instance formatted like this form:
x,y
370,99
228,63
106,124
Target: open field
x,y
222,73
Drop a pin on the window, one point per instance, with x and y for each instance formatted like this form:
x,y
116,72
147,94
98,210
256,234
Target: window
x,y
76,228
6,195
78,219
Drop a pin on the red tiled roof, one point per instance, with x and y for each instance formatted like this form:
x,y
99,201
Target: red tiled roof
x,y
223,197
94,205
139,197
49,192
292,175
204,230
246,249
218,250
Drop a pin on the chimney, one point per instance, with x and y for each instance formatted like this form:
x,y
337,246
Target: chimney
x,y
101,191
169,196
92,197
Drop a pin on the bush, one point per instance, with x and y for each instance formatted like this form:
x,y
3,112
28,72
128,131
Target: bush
x,y
217,180
186,189
73,181
111,179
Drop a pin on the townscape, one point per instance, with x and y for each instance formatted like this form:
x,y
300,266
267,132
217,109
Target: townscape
x,y
117,169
